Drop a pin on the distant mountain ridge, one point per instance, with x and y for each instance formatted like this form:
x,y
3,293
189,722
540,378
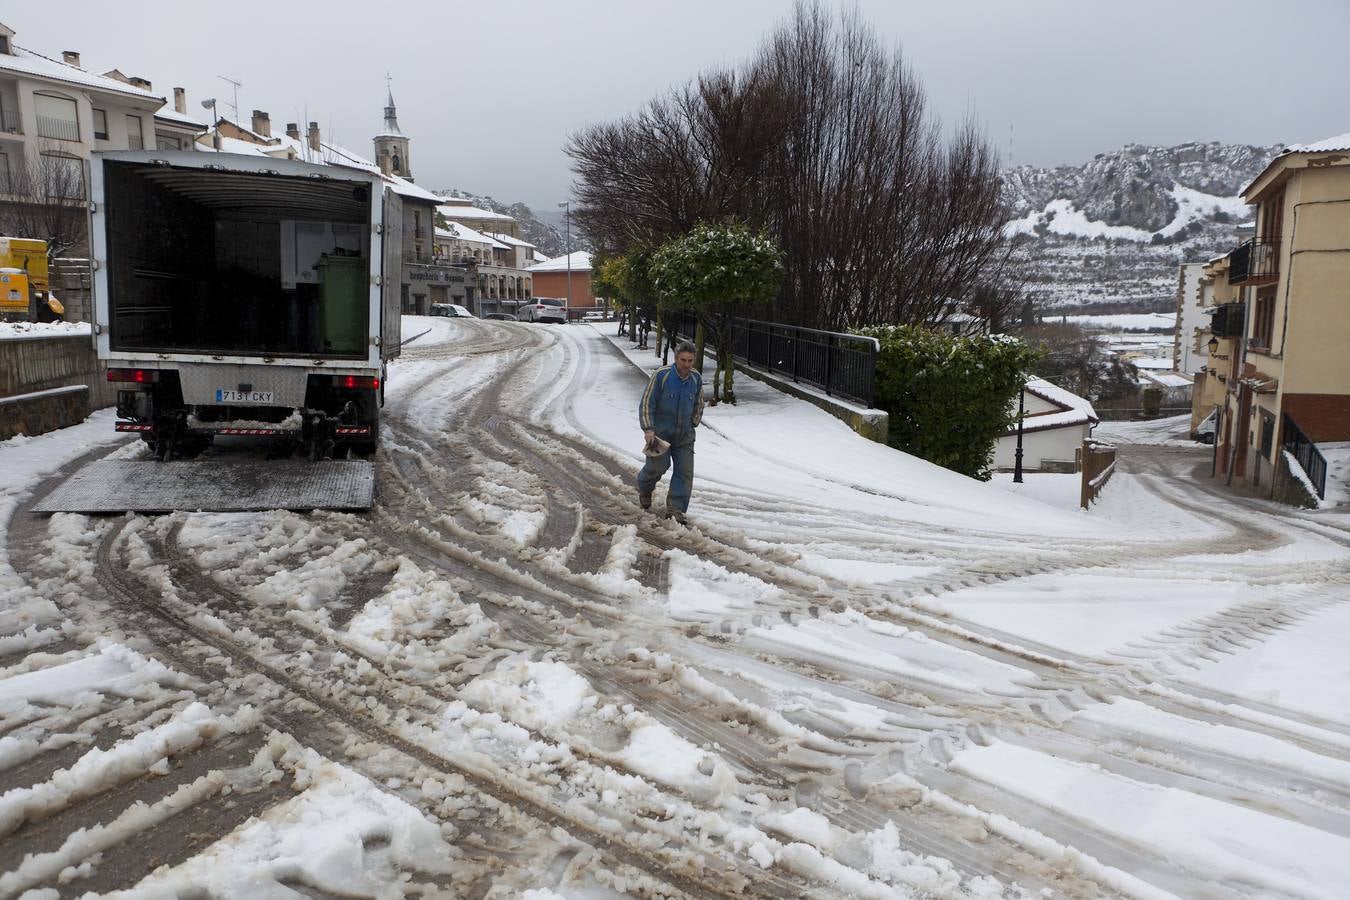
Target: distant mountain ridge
x,y
1108,235
1133,186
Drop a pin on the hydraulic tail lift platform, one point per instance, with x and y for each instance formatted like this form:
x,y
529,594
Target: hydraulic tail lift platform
x,y
121,485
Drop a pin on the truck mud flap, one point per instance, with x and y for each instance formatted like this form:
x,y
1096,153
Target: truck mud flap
x,y
210,485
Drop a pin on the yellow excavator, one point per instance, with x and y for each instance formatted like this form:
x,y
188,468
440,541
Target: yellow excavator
x,y
25,291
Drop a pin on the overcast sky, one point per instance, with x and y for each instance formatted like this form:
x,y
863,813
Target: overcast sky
x,y
489,92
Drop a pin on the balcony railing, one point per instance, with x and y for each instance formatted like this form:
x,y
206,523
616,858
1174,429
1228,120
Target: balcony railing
x,y
9,121
1254,261
59,129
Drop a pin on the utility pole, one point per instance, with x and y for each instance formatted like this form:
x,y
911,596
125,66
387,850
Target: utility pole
x,y
567,219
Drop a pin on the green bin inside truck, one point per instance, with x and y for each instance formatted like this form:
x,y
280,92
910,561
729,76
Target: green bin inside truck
x,y
343,301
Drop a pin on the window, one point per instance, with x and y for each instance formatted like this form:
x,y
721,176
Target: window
x,y
1267,444
1263,322
5,187
134,139
167,143
56,117
100,125
1272,217
62,176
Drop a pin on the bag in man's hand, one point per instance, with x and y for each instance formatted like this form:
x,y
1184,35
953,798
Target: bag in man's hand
x,y
655,447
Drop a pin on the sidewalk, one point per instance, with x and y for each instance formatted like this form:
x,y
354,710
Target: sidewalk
x,y
774,445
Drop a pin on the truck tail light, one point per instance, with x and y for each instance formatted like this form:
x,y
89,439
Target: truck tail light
x,y
357,382
136,376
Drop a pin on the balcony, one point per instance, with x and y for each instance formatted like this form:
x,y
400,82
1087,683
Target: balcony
x,y
1230,320
9,121
1256,261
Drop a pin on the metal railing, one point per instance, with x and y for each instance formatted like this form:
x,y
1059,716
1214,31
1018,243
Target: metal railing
x,y
9,121
1309,457
1257,259
841,365
59,129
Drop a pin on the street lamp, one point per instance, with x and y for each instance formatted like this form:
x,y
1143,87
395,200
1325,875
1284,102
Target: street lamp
x,y
566,207
210,103
1213,345
1021,412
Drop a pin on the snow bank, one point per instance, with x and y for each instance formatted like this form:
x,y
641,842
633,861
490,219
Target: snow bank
x,y
42,329
324,838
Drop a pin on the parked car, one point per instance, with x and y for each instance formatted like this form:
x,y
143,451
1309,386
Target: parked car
x,y
450,310
1204,432
500,316
543,309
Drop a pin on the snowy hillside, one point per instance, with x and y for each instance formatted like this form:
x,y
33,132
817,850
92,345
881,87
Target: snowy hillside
x,y
1108,235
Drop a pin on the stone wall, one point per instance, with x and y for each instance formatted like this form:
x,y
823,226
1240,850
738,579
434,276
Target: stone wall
x,y
34,369
43,411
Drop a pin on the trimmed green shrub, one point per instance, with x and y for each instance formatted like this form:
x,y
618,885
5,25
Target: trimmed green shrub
x,y
949,397
720,271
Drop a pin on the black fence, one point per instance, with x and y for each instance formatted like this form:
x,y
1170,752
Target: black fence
x,y
1308,456
1257,259
841,365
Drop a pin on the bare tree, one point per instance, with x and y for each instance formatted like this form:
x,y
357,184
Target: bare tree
x,y
823,139
45,199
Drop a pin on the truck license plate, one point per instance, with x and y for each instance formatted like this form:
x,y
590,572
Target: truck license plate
x,y
260,398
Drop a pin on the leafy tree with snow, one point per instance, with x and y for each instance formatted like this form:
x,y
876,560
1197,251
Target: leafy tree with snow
x,y
950,397
720,271
607,282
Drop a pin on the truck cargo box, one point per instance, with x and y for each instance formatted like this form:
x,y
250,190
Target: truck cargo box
x,y
226,256
245,296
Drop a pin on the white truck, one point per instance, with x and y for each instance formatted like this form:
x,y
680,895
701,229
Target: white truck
x,y
241,295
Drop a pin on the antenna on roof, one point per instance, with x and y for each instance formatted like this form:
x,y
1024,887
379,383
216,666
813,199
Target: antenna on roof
x,y
235,104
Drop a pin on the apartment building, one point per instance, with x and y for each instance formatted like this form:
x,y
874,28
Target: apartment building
x,y
1282,323
54,113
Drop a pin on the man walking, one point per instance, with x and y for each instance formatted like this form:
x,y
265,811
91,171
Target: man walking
x,y
671,409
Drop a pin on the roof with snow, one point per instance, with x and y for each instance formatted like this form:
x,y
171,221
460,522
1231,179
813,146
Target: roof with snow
x,y
1154,363
1071,409
174,117
507,239
1329,145
455,210
463,232
580,261
1169,379
27,62
328,154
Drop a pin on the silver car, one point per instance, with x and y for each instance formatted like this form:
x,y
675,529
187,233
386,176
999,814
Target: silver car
x,y
543,309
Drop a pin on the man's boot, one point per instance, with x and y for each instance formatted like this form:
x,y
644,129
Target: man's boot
x,y
644,500
676,514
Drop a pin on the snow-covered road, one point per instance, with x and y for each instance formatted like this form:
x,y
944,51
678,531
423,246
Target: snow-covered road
x,y
853,674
